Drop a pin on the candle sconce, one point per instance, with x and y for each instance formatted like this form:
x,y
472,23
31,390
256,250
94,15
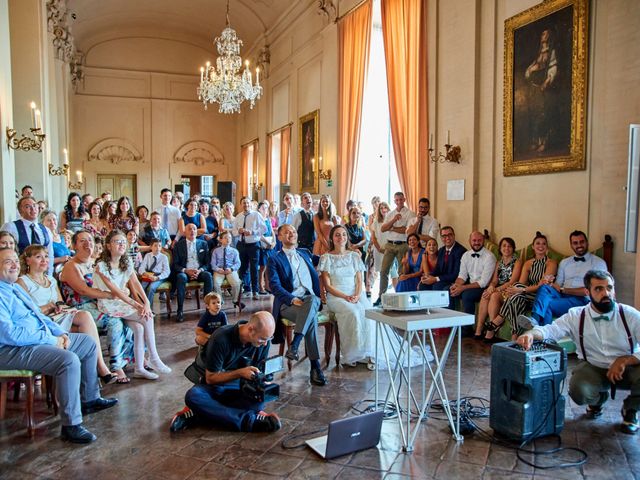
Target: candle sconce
x,y
325,174
255,186
58,171
77,185
451,153
31,142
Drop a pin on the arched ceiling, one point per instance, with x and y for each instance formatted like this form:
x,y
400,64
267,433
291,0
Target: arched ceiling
x,y
192,21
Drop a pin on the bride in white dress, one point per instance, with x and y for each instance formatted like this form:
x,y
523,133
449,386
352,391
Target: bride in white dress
x,y
341,270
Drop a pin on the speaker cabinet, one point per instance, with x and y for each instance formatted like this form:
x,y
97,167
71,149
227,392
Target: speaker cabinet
x,y
227,192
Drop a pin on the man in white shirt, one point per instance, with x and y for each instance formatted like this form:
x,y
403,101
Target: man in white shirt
x,y
395,227
286,214
424,225
249,226
169,214
607,337
476,269
28,231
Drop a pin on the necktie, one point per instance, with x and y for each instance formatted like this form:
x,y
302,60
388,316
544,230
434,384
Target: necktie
x,y
601,317
154,262
224,258
419,229
579,259
165,217
475,255
244,223
446,256
34,235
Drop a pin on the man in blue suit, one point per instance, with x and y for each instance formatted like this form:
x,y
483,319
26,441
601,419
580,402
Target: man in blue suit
x,y
295,285
190,263
447,265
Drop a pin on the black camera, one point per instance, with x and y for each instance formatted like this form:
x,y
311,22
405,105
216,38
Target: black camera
x,y
259,389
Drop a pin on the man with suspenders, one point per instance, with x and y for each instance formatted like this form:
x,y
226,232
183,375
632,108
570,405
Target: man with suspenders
x,y
607,335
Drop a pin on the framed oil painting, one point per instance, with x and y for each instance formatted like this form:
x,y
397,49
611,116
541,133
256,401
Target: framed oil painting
x,y
308,147
546,51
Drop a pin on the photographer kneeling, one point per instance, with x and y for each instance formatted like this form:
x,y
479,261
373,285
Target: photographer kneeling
x,y
232,353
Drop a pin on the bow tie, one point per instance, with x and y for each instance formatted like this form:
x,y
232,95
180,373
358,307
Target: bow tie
x,y
601,317
579,259
475,255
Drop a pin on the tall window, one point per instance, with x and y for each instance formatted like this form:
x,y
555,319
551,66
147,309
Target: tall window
x,y
276,148
375,152
207,185
248,167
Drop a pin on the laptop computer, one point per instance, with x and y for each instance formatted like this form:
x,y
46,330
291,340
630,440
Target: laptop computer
x,y
349,435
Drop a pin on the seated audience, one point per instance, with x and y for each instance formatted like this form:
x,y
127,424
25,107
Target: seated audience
x,y
447,266
225,263
190,263
536,271
211,233
74,215
476,269
43,290
108,214
77,288
267,246
607,335
133,249
567,291
192,216
87,199
341,269
115,273
153,270
212,318
30,340
95,224
506,273
323,222
142,214
232,353
7,240
430,260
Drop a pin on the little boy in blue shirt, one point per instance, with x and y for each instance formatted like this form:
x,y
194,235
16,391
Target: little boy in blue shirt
x,y
212,319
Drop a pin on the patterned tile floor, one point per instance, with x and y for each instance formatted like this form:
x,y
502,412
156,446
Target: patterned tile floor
x,y
134,441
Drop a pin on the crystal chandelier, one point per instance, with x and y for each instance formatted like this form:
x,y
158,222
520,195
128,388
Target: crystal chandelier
x,y
224,83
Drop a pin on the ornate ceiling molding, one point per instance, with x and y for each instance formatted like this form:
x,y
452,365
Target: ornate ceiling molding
x,y
115,150
58,24
198,153
327,9
264,61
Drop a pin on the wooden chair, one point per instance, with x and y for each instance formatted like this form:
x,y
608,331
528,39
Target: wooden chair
x,y
28,378
324,320
166,286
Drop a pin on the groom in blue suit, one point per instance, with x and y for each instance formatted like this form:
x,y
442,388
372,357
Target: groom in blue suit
x,y
295,285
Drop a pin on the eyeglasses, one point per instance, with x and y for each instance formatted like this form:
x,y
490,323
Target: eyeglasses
x,y
119,242
446,235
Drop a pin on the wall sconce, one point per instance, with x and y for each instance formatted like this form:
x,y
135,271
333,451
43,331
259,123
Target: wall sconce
x,y
63,170
34,140
77,185
451,153
256,187
324,174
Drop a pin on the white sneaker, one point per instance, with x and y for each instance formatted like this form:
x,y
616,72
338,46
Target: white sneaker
x,y
158,366
146,374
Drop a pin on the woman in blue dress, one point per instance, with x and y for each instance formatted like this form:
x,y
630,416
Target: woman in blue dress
x,y
411,266
192,216
211,224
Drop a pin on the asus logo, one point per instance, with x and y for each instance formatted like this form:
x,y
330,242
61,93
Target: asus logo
x,y
355,434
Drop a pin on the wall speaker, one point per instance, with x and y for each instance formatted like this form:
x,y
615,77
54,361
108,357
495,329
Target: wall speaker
x,y
227,192
633,187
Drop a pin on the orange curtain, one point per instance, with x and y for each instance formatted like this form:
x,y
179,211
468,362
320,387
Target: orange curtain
x,y
285,144
244,171
268,170
404,29
354,38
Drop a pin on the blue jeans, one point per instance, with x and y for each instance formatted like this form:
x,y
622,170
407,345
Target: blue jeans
x,y
150,288
550,303
223,405
181,284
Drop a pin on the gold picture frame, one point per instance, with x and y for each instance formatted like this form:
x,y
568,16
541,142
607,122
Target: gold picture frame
x,y
308,148
545,87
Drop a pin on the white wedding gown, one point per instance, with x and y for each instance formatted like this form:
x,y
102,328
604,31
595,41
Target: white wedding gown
x,y
357,333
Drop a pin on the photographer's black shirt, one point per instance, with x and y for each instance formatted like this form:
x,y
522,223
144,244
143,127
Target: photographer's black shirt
x,y
225,352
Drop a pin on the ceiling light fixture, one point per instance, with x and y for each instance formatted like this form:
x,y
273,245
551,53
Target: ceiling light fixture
x,y
224,84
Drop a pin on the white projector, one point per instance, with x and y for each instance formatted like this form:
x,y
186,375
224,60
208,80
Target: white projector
x,y
421,300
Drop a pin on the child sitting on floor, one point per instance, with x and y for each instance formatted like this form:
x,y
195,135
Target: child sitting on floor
x,y
212,319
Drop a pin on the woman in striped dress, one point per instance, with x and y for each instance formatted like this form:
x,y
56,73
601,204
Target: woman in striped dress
x,y
539,270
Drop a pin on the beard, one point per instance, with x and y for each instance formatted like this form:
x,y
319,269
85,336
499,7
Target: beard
x,y
605,305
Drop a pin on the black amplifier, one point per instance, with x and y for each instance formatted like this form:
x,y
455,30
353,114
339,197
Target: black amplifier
x,y
526,401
